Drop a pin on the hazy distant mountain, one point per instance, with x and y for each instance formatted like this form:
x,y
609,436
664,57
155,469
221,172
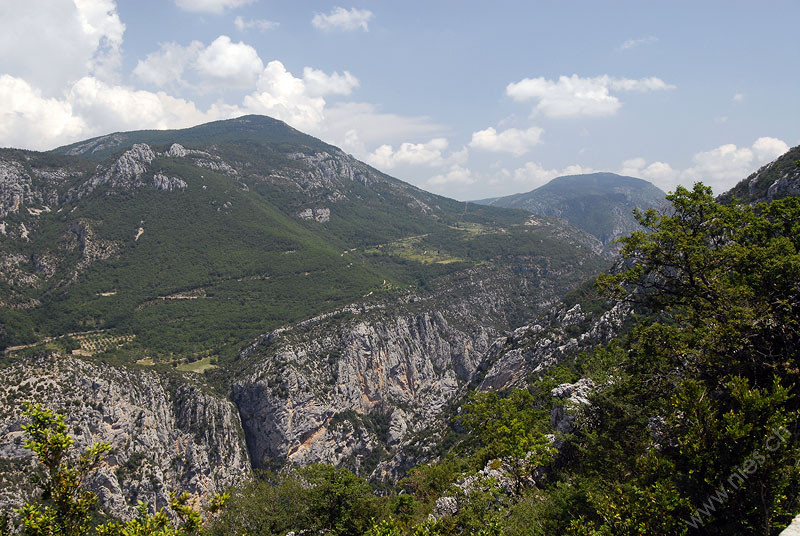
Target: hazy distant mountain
x,y
780,178
599,203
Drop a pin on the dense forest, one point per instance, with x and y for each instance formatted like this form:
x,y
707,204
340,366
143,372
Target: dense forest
x,y
688,424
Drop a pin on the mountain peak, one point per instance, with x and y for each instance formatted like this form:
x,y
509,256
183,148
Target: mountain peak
x,y
247,128
599,203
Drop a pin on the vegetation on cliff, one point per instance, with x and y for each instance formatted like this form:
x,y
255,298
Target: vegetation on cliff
x,y
690,427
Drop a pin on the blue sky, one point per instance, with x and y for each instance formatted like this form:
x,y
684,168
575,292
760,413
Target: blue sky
x,y
470,99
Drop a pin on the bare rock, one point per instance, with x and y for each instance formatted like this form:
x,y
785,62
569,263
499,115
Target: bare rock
x,y
321,215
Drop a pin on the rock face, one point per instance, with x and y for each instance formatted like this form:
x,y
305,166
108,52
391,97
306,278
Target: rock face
x,y
342,389
542,344
574,396
15,185
321,215
167,433
163,182
355,387
780,178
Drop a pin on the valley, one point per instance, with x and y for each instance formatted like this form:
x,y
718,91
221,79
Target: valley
x,y
241,299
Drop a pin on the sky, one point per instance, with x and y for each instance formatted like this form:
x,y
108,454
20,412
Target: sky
x,y
465,98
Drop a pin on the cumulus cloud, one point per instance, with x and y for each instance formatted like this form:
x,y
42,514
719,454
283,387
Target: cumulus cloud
x,y
29,120
254,24
319,83
512,140
659,173
126,108
168,64
282,95
77,38
210,6
91,107
457,175
343,19
228,63
737,97
430,153
355,126
221,64
533,174
634,43
721,167
574,96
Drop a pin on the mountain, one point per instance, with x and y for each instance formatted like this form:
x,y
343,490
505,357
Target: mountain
x,y
780,178
599,203
256,295
194,248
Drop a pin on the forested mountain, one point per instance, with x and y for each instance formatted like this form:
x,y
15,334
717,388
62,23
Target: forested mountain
x,y
490,383
599,203
251,225
333,312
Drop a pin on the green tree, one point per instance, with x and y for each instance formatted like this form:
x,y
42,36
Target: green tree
x,y
714,363
66,507
508,428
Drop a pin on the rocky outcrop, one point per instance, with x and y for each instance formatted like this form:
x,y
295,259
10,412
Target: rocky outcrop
x,y
540,345
167,433
15,184
778,179
163,182
321,215
343,389
331,171
82,236
572,396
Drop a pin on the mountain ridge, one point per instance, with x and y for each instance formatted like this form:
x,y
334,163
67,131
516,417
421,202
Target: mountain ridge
x,y
599,203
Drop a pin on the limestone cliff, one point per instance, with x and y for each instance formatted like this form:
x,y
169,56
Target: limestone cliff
x,y
167,433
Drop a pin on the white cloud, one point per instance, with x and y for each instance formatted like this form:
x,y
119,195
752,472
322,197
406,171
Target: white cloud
x,y
229,64
633,43
168,64
457,175
107,108
319,83
29,120
210,6
101,24
767,149
343,19
721,167
737,97
430,153
512,140
573,96
659,173
533,174
53,44
254,24
354,126
91,107
221,64
281,95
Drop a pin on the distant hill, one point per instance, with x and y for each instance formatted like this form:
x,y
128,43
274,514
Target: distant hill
x,y
600,203
780,178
